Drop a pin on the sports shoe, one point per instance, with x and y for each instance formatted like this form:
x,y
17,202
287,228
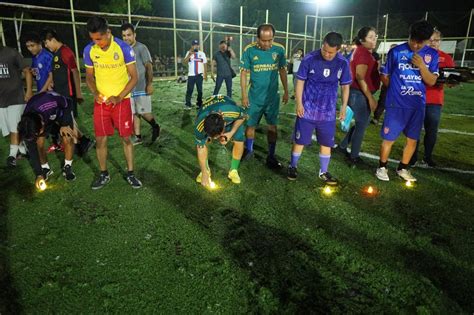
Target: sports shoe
x,y
382,174
137,141
103,180
199,177
328,179
133,181
46,173
155,134
273,163
406,175
186,107
374,121
292,173
342,151
234,176
247,156
85,145
429,162
68,173
11,161
354,162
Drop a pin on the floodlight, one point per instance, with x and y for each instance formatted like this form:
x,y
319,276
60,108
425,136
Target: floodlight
x,y
200,3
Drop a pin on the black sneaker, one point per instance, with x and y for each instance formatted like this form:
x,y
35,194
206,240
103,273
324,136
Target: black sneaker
x,y
155,134
273,163
354,162
46,173
328,179
292,173
84,146
247,156
430,162
342,151
103,180
11,161
133,181
68,173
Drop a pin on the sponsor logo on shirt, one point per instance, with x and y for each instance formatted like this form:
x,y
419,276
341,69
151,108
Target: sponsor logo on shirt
x,y
312,71
404,58
427,58
132,53
274,56
255,58
411,77
410,91
326,73
56,58
4,72
40,66
96,57
406,66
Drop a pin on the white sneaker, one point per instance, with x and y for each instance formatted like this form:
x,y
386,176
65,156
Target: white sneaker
x,y
406,175
382,174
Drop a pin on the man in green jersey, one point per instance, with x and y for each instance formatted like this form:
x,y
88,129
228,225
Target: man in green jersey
x,y
264,60
219,118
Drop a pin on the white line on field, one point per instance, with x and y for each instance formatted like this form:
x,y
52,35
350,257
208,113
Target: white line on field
x,y
456,131
448,169
460,115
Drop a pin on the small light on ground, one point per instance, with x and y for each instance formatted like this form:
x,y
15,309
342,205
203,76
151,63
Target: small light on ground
x,y
42,185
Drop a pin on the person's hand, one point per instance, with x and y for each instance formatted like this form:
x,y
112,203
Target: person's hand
x,y
224,138
417,61
149,89
342,113
114,100
38,180
67,132
99,98
245,101
206,179
285,97
80,98
28,95
299,110
372,104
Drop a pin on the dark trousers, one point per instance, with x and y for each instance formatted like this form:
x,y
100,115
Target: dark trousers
x,y
194,80
355,136
381,103
431,124
228,85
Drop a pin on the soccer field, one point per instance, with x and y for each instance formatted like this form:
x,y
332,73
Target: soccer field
x,y
266,246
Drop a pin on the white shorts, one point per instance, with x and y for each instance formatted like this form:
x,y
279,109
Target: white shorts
x,y
10,117
141,104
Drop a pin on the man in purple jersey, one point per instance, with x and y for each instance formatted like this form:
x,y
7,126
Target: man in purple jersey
x,y
318,78
409,67
42,112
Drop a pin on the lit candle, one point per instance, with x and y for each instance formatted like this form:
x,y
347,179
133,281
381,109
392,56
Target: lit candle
x,y
42,185
409,183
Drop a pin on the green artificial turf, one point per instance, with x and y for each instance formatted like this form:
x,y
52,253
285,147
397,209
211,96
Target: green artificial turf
x,y
266,246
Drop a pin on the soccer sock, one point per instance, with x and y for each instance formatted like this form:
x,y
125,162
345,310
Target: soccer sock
x,y
249,144
106,172
67,162
402,166
295,157
152,123
324,162
129,173
14,149
383,164
271,148
45,165
234,164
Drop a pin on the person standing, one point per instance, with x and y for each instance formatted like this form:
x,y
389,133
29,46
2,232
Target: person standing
x,y
222,59
197,71
264,60
12,96
111,74
410,66
318,79
40,63
365,82
141,95
434,105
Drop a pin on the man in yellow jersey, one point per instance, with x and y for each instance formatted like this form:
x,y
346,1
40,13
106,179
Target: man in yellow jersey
x,y
111,75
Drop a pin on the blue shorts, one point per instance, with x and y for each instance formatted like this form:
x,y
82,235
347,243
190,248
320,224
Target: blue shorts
x,y
325,132
397,120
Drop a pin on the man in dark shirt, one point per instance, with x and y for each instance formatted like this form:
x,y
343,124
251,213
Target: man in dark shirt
x,y
221,59
42,112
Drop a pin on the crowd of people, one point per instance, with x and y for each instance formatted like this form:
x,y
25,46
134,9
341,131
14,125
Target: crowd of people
x,y
119,74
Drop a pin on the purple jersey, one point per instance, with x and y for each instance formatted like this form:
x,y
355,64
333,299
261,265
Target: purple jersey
x,y
41,67
322,79
52,107
406,88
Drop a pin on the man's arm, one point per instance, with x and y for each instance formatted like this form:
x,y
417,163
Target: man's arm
x,y
76,76
385,80
345,99
188,56
233,130
47,84
149,78
202,159
29,83
91,84
243,87
299,98
361,71
284,82
232,53
133,78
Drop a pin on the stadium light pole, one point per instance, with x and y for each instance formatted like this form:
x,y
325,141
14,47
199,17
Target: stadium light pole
x,y
76,49
319,3
200,4
175,41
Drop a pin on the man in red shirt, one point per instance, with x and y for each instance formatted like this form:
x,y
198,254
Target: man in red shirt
x,y
434,103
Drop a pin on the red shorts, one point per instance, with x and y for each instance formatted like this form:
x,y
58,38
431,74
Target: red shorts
x,y
107,118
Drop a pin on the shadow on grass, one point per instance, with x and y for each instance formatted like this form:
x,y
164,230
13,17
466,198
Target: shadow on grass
x,y
12,183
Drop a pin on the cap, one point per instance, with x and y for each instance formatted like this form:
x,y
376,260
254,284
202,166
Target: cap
x,y
195,42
